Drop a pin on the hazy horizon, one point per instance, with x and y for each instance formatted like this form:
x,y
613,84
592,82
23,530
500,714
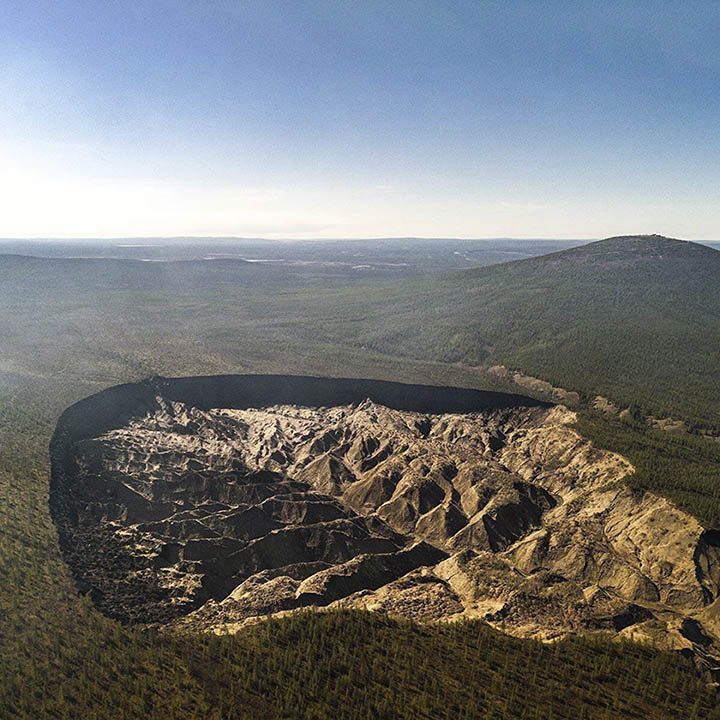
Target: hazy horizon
x,y
370,239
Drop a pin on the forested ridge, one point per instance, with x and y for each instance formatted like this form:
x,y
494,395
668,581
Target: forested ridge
x,y
634,319
355,665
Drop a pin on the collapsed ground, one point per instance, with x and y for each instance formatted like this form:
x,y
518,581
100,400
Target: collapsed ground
x,y
210,518
74,328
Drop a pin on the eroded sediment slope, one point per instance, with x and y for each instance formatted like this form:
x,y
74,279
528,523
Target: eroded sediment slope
x,y
212,517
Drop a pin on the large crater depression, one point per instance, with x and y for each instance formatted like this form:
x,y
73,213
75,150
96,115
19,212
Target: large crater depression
x,y
209,501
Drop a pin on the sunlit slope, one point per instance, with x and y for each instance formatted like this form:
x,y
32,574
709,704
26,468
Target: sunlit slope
x,y
633,318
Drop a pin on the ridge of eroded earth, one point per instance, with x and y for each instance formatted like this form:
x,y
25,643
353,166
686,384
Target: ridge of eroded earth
x,y
210,518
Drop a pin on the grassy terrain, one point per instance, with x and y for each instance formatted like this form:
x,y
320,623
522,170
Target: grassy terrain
x,y
70,328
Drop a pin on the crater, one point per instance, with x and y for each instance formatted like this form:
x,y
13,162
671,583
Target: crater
x,y
207,502
172,493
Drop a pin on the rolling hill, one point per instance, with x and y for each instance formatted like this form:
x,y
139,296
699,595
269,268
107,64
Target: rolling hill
x,y
635,318
632,318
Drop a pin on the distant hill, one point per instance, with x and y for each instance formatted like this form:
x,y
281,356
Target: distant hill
x,y
636,318
633,318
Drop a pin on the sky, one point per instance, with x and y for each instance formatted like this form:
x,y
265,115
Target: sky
x,y
303,119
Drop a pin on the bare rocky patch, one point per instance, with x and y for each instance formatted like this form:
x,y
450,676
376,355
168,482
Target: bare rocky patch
x,y
211,518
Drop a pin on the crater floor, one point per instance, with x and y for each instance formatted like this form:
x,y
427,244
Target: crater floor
x,y
209,518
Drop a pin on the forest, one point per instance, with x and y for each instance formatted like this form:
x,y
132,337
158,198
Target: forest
x,y
67,335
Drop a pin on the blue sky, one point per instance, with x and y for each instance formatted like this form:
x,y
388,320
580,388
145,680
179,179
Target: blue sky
x,y
359,119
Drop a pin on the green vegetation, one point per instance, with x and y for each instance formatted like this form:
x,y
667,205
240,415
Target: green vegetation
x,y
628,329
681,467
349,665
632,319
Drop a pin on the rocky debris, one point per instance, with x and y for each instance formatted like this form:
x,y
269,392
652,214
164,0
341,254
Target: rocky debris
x,y
668,424
210,518
605,405
536,385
